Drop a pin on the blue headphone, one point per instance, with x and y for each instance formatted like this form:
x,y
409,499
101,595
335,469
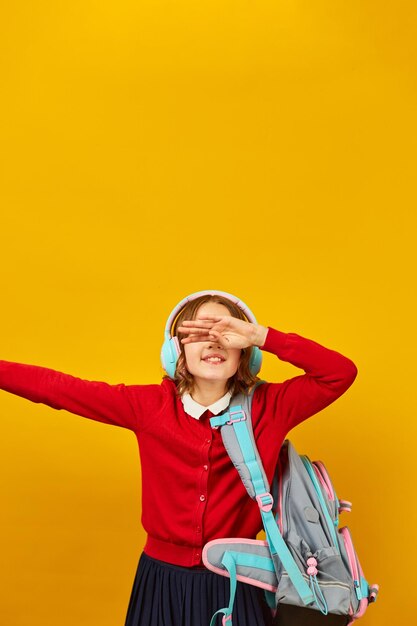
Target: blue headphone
x,y
171,349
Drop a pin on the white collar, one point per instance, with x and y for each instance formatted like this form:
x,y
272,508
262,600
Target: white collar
x,y
196,410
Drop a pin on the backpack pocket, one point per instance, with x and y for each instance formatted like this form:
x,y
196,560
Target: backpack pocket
x,y
331,585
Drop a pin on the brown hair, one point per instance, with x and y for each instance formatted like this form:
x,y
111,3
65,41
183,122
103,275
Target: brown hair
x,y
243,380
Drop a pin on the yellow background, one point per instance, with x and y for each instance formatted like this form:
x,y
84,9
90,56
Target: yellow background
x,y
153,148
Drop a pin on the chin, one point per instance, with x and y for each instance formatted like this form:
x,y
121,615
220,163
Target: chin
x,y
214,377
217,376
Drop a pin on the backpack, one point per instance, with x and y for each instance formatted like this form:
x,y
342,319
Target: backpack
x,y
306,560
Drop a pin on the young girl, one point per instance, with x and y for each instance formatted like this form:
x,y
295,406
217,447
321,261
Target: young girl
x,y
211,351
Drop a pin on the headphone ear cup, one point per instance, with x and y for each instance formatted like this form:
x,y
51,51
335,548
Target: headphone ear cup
x,y
255,360
169,355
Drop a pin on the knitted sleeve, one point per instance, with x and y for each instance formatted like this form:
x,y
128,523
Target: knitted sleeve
x,y
328,374
100,401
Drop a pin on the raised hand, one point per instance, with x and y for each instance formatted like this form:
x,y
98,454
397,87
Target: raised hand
x,y
228,331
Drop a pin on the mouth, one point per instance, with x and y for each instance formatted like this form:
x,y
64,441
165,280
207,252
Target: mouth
x,y
215,359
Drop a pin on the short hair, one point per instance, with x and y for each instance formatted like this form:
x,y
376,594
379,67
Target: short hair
x,y
243,380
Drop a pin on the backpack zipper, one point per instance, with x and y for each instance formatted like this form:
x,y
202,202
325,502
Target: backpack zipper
x,y
330,522
324,479
278,514
356,571
323,476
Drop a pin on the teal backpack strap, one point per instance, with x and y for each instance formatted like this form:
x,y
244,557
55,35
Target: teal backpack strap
x,y
229,561
229,564
265,501
236,428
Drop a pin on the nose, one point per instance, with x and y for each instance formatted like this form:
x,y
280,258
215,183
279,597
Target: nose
x,y
216,344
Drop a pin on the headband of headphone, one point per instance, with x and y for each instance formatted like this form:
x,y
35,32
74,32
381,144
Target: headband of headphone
x,y
171,349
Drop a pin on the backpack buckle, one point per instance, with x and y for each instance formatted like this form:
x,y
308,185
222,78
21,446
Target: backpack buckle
x,y
233,420
265,506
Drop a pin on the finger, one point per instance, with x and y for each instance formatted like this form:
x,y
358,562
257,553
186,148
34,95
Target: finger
x,y
194,329
196,338
215,335
188,329
203,322
224,340
208,317
205,326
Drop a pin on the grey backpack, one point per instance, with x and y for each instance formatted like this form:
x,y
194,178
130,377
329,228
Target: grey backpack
x,y
306,560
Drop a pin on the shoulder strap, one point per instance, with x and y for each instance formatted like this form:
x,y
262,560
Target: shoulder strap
x,y
239,441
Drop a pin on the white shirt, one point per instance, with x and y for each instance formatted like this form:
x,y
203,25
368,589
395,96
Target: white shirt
x,y
196,410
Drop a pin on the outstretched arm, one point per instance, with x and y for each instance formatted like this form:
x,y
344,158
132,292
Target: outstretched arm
x,y
95,400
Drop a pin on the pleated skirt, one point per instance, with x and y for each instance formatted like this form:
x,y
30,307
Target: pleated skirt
x,y
170,595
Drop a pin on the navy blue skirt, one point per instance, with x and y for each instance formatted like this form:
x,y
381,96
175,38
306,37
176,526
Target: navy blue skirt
x,y
170,595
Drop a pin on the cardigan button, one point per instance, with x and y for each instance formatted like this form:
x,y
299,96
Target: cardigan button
x,y
205,467
202,497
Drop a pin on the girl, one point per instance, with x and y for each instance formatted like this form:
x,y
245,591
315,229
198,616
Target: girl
x,y
211,351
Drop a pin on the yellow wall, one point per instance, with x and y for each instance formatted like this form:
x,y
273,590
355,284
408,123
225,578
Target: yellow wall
x,y
154,148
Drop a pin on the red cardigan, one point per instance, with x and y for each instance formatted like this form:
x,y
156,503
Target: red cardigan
x,y
191,491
